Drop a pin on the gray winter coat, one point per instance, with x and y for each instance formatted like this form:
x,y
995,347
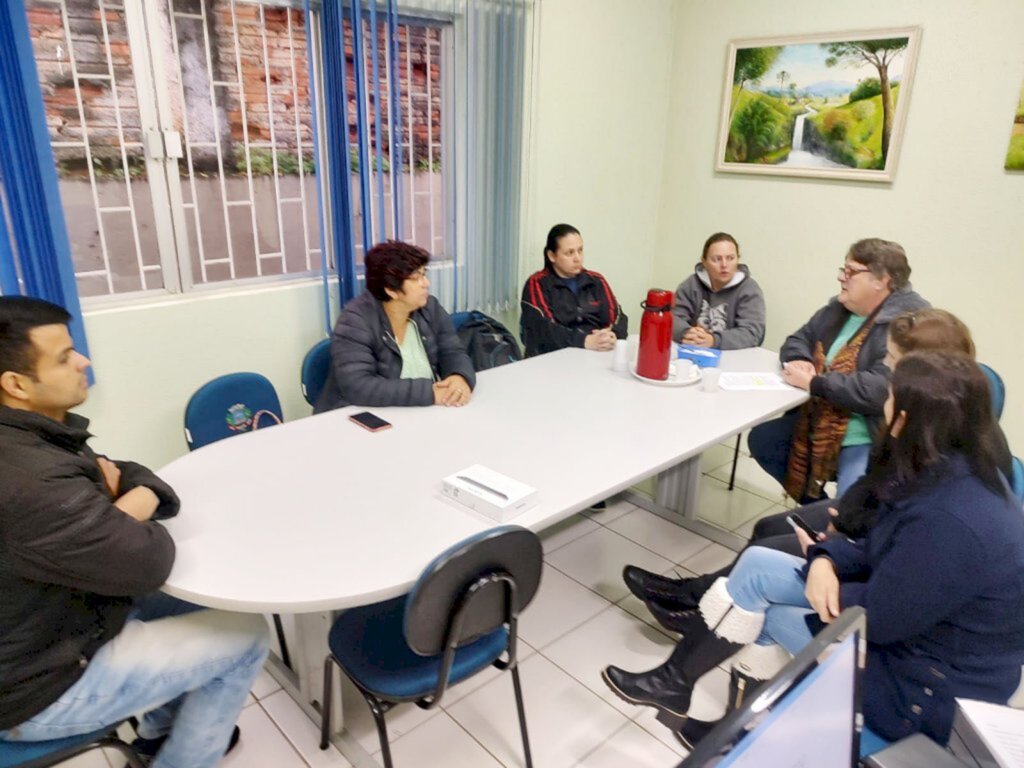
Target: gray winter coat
x,y
865,390
366,363
735,315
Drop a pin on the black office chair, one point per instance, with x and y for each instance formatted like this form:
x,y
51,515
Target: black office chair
x,y
459,619
44,754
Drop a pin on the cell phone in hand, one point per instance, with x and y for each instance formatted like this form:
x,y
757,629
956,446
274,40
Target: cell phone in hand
x,y
369,421
798,522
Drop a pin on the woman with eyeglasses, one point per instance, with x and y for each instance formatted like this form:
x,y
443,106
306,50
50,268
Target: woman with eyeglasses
x,y
940,573
395,344
719,305
838,356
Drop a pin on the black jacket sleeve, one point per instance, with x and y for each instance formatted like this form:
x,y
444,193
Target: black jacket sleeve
x,y
133,475
864,391
75,537
539,331
800,344
354,358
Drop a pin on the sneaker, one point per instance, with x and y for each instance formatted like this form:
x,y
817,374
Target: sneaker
x,y
147,748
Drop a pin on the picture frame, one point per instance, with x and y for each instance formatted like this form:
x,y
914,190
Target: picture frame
x,y
826,106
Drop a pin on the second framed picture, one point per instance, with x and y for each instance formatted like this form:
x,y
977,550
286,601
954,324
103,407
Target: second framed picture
x,y
825,106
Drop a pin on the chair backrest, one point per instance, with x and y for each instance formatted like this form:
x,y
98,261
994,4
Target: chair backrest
x,y
998,390
314,370
459,319
1017,481
447,581
229,405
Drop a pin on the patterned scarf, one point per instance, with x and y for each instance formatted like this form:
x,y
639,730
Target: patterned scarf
x,y
821,425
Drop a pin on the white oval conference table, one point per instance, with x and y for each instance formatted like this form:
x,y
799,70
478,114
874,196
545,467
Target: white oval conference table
x,y
319,514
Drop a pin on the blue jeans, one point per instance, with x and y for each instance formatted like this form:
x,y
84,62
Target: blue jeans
x,y
189,669
853,465
766,581
770,444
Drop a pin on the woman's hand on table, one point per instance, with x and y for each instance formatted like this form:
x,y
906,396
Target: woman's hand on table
x,y
699,337
452,391
798,373
600,340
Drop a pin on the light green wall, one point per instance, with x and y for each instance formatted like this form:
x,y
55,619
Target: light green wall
x,y
150,357
601,103
953,207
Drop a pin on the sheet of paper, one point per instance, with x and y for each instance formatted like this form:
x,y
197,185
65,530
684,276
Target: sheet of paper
x,y
1001,728
739,382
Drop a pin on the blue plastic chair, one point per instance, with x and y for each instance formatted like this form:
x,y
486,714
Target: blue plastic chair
x,y
459,619
998,390
459,319
229,405
315,366
43,754
1017,481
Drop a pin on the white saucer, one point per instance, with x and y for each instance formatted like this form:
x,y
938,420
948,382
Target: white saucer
x,y
673,380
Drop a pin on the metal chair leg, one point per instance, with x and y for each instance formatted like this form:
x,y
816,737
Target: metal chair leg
x,y
126,750
282,642
522,716
382,729
735,458
325,703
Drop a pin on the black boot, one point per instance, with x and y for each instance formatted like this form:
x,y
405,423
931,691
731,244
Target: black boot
x,y
724,629
675,621
674,594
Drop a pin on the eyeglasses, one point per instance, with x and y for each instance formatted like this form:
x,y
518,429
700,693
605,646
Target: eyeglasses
x,y
846,271
419,274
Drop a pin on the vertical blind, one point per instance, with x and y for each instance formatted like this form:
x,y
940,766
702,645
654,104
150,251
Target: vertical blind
x,y
483,161
35,255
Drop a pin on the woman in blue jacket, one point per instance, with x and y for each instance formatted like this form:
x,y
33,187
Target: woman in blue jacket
x,y
941,572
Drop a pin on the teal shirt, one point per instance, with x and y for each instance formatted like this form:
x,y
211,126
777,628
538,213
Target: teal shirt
x,y
415,363
857,432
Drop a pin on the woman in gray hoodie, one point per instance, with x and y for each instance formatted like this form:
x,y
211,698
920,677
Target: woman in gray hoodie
x,y
719,305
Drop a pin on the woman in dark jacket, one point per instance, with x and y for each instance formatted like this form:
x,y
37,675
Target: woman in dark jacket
x,y
395,344
565,305
838,356
941,573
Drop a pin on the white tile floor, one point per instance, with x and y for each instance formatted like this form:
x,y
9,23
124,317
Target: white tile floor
x,y
582,619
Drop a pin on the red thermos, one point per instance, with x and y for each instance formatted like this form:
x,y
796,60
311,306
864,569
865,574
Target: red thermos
x,y
655,336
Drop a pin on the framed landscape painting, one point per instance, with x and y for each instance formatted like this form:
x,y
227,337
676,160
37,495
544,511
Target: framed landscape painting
x,y
825,106
1015,154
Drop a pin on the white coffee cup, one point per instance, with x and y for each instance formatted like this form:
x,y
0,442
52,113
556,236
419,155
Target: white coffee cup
x,y
684,369
709,380
620,356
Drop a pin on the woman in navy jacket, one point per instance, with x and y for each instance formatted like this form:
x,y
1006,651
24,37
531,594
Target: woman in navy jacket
x,y
941,573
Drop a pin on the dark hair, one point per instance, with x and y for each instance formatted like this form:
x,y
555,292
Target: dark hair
x,y
719,237
883,258
931,329
18,316
948,403
555,234
391,263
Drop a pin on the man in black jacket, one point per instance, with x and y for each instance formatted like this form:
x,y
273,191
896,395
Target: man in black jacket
x,y
82,646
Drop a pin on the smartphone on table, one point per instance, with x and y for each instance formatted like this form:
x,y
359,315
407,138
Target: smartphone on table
x,y
798,522
369,421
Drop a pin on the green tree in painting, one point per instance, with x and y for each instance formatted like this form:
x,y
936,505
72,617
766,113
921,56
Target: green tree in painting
x,y
880,54
756,124
751,65
782,77
792,92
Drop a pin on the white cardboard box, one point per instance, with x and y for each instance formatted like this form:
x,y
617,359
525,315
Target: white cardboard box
x,y
483,490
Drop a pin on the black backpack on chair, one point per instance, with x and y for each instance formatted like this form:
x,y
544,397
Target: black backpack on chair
x,y
488,343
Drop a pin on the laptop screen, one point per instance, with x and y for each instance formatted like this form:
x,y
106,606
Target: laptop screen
x,y
808,715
